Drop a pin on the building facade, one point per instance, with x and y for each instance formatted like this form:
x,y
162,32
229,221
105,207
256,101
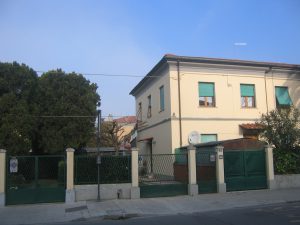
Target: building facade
x,y
218,98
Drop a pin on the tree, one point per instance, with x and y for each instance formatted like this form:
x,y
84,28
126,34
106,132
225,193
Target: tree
x,y
111,135
44,114
70,102
18,85
281,128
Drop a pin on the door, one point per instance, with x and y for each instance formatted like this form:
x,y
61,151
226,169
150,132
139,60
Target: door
x,y
206,171
245,170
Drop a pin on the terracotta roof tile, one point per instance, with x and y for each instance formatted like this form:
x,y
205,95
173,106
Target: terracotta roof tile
x,y
251,126
126,119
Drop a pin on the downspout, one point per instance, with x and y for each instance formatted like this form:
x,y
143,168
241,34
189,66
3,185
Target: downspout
x,y
266,94
179,104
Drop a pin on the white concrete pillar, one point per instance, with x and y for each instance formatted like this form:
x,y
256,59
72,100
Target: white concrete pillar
x,y
270,167
70,191
221,185
2,176
192,186
135,190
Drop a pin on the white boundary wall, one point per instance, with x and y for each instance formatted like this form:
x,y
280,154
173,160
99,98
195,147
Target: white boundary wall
x,y
287,181
107,191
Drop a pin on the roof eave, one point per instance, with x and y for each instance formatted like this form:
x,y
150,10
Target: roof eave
x,y
148,76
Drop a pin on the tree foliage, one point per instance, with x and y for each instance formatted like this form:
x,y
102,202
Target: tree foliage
x,y
46,114
18,85
281,128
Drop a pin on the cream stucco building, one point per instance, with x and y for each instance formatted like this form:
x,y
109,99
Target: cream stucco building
x,y
211,96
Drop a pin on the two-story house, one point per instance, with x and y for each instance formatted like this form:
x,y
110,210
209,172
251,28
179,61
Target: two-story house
x,y
219,98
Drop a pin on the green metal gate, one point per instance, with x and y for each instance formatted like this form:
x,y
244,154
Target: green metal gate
x,y
206,171
245,170
163,175
35,179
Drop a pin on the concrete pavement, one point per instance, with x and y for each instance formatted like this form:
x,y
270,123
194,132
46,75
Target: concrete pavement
x,y
50,213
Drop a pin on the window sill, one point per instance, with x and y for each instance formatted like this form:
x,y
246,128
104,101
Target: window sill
x,y
207,107
248,107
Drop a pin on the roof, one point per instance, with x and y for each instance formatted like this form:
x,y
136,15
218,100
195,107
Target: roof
x,y
217,61
251,126
232,143
126,119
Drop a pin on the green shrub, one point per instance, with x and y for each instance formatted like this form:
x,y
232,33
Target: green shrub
x,y
286,162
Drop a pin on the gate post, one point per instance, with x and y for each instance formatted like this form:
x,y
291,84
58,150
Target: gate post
x,y
70,192
221,185
135,190
193,187
2,176
269,166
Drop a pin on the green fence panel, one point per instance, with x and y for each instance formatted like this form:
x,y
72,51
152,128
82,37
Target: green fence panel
x,y
113,169
163,175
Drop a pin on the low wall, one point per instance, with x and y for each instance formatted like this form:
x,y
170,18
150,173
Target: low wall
x,y
107,191
287,181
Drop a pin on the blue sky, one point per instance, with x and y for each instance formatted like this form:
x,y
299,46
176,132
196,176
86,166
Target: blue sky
x,y
131,36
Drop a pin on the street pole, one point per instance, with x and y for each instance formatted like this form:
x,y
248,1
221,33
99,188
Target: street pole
x,y
98,150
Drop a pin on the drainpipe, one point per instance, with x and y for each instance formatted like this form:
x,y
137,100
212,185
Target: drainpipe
x,y
267,71
179,104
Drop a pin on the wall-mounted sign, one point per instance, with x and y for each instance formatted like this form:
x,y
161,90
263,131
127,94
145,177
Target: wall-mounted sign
x,y
13,165
212,158
220,156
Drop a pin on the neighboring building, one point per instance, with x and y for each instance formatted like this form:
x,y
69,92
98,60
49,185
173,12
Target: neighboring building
x,y
219,98
127,124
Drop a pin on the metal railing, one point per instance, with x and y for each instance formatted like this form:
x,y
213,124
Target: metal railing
x,y
113,169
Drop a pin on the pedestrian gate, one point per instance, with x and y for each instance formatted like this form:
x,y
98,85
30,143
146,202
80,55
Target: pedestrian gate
x,y
163,175
35,179
206,171
245,170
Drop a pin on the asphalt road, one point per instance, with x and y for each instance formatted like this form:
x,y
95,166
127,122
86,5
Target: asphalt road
x,y
276,214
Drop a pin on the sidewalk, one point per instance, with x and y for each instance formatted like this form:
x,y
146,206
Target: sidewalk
x,y
49,213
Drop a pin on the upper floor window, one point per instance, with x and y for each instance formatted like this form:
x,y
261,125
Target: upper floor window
x,y
162,98
208,137
206,94
247,95
149,107
282,97
139,113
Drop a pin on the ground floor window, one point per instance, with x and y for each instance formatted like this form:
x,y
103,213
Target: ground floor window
x,y
208,137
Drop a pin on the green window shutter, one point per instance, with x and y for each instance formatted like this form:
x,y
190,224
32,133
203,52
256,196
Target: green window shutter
x,y
206,89
162,98
208,137
247,90
282,96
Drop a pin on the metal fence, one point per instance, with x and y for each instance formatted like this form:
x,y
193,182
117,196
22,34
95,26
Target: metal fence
x,y
163,175
113,169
